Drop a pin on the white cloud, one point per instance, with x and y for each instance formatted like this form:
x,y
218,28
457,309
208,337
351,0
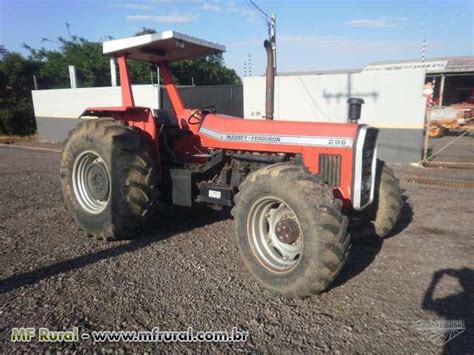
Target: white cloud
x,y
177,1
345,44
163,18
399,18
249,42
131,5
389,22
137,6
382,23
211,7
242,12
248,13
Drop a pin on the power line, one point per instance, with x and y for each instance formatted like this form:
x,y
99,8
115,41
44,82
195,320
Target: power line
x,y
251,3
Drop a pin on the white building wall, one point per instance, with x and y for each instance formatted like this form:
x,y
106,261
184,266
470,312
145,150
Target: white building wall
x,y
393,103
70,103
57,111
392,99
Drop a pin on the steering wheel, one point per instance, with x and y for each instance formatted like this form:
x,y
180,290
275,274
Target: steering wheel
x,y
197,115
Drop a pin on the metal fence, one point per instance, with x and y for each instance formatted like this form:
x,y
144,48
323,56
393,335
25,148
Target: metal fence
x,y
449,143
229,99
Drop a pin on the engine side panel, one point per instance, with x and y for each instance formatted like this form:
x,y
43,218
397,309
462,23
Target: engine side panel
x,y
306,138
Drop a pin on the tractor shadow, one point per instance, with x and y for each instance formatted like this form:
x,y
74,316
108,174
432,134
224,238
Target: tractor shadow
x,y
363,254
169,222
455,310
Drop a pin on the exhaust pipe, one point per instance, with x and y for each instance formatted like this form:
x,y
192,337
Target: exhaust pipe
x,y
270,81
355,109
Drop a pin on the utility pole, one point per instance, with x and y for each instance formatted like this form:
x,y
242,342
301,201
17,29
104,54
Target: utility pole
x,y
270,48
423,51
72,76
35,82
113,72
272,35
250,65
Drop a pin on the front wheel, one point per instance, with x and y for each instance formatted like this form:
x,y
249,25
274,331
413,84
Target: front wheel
x,y
380,218
289,230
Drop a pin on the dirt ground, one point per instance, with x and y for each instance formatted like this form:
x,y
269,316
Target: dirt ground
x,y
185,271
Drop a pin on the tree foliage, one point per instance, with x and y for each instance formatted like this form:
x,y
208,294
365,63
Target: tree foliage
x,y
92,67
16,83
210,70
204,71
50,67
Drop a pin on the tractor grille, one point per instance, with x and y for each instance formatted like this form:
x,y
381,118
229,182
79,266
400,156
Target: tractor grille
x,y
330,169
364,177
367,158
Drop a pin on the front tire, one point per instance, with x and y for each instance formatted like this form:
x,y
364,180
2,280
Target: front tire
x,y
108,178
381,217
289,230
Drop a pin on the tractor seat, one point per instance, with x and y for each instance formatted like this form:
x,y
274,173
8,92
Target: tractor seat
x,y
167,122
165,117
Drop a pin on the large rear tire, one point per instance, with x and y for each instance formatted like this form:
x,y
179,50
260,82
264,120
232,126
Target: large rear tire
x,y
289,230
108,178
381,217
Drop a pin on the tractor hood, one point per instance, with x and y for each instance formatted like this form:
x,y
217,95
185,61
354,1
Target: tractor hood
x,y
223,131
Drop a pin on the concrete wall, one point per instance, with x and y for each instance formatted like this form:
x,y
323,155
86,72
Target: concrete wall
x,y
393,103
57,110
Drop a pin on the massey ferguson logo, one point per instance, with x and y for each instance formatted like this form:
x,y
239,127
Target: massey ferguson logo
x,y
315,141
248,138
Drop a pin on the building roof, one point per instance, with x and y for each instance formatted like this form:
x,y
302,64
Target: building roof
x,y
319,72
432,65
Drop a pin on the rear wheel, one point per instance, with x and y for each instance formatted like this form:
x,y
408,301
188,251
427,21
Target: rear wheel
x,y
380,218
108,178
289,230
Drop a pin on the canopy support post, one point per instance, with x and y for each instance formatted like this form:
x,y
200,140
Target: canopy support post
x,y
173,93
125,82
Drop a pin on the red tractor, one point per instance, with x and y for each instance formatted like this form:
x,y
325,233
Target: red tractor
x,y
293,186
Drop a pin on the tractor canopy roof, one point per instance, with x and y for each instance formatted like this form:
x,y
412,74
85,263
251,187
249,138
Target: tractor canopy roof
x,y
156,47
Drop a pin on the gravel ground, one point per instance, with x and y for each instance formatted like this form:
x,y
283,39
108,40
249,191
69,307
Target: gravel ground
x,y
185,271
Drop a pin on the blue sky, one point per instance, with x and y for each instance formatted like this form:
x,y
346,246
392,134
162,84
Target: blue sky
x,y
310,34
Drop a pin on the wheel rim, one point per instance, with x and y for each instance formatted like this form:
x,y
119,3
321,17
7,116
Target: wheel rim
x,y
91,182
275,235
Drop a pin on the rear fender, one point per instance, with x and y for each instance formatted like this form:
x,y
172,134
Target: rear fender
x,y
139,117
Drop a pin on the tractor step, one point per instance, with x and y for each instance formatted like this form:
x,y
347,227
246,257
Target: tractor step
x,y
184,186
219,195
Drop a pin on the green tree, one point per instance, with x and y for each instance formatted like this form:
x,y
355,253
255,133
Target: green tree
x,y
209,70
204,71
92,67
16,83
